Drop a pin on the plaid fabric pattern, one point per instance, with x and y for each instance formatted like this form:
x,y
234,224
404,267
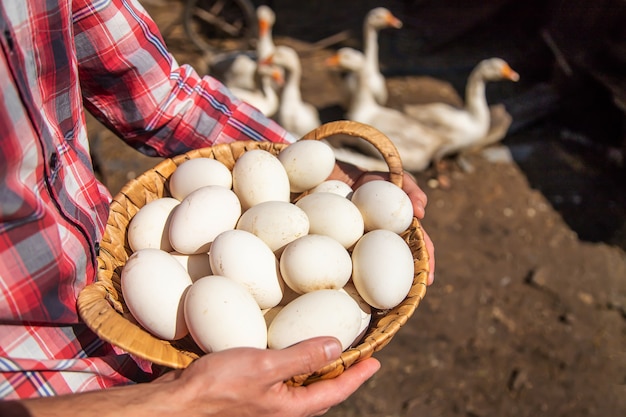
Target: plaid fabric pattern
x,y
81,362
58,59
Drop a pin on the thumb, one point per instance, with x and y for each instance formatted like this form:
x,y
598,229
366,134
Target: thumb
x,y
306,357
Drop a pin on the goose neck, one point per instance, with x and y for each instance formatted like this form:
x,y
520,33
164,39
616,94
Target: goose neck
x,y
266,87
291,89
370,46
265,47
363,96
475,98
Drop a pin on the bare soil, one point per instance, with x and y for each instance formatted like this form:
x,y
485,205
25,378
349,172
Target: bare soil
x,y
527,313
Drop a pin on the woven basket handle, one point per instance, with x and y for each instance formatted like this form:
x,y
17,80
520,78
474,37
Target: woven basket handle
x,y
382,143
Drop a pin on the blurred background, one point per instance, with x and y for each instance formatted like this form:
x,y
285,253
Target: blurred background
x,y
527,313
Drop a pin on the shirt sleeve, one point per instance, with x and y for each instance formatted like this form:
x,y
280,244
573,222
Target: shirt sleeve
x,y
133,85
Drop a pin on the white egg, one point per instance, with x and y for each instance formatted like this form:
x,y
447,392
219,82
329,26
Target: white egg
x,y
332,215
308,163
245,258
333,186
201,216
366,310
382,268
221,314
197,173
383,205
258,176
149,227
318,313
276,222
315,262
153,285
197,265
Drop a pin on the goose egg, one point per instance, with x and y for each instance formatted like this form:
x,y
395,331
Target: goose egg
x,y
276,222
153,284
258,176
201,216
333,186
222,314
149,227
308,163
317,313
315,262
196,173
382,268
383,205
245,258
332,215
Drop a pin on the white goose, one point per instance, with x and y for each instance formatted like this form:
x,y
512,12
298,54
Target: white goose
x,y
416,144
239,69
467,127
265,98
265,44
377,19
295,115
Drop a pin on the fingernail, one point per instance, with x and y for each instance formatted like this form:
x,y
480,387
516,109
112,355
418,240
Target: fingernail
x,y
332,349
431,277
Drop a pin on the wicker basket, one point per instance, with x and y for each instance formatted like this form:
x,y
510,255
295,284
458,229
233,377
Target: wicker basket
x,y
101,304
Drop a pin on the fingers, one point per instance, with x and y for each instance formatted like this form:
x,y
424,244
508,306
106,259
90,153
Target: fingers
x,y
417,196
322,395
420,200
247,381
345,172
303,358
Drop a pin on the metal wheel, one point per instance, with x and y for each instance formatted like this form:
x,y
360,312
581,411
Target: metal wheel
x,y
220,25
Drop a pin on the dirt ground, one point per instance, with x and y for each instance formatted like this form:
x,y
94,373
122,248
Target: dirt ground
x,y
527,313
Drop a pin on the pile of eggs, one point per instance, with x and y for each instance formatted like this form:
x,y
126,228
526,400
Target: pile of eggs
x,y
232,261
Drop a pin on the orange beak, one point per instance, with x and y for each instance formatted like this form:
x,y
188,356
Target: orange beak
x,y
277,76
267,61
332,61
393,21
264,27
509,74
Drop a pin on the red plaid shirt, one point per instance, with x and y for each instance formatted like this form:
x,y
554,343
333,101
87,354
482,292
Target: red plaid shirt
x,y
56,59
